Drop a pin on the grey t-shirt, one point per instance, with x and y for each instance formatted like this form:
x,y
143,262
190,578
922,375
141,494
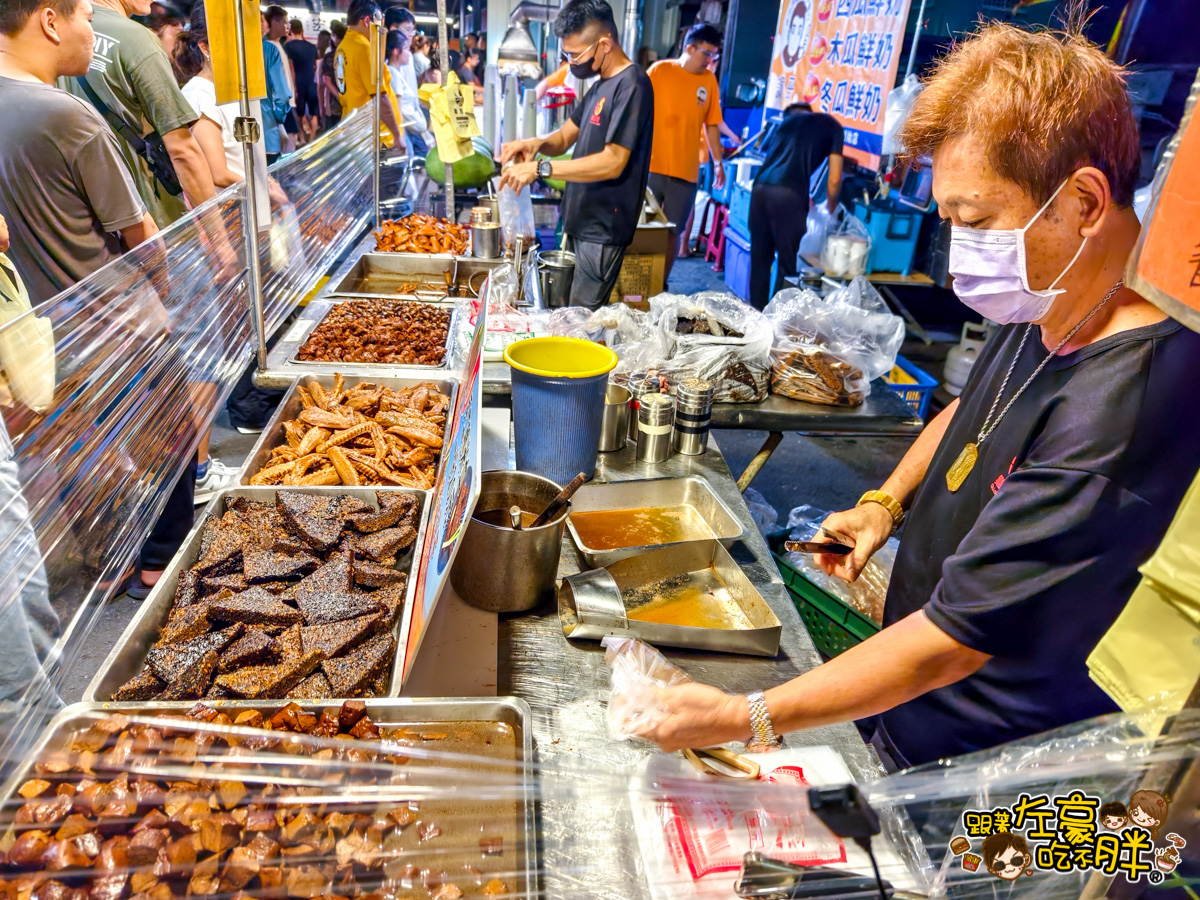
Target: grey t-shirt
x,y
64,188
130,72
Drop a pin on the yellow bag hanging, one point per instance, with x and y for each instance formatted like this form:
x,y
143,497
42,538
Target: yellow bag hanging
x,y
447,123
27,345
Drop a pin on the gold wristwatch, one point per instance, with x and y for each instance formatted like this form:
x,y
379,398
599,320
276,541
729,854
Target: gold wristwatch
x,y
888,502
765,740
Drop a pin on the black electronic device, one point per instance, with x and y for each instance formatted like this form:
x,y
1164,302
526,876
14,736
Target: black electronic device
x,y
764,878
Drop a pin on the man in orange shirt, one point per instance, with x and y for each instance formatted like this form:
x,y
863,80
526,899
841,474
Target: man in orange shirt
x,y
685,100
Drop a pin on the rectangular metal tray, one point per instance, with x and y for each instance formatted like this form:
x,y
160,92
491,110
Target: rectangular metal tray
x,y
129,653
692,491
591,604
290,406
312,323
379,273
386,712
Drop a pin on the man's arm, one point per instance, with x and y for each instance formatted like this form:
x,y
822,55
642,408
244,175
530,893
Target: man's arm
x,y
387,115
713,133
869,526
901,662
554,144
834,185
730,133
190,165
139,232
608,163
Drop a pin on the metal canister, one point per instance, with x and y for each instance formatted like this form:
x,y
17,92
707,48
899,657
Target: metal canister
x,y
614,425
656,421
639,384
693,413
485,240
480,214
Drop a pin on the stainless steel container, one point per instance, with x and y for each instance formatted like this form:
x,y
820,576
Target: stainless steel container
x,y
556,271
606,601
480,214
485,240
656,421
692,492
614,425
693,412
498,568
639,385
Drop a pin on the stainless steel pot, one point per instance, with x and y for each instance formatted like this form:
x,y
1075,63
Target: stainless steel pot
x,y
498,568
614,426
556,271
485,240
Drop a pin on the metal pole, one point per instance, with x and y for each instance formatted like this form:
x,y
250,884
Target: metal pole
x,y
444,62
246,131
380,98
912,51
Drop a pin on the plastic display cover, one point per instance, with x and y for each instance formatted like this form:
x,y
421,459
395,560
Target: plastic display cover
x,y
146,351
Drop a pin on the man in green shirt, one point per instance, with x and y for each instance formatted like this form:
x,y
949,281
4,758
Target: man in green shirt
x,y
132,77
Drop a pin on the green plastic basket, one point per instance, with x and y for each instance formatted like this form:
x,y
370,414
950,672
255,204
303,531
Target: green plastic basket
x,y
833,625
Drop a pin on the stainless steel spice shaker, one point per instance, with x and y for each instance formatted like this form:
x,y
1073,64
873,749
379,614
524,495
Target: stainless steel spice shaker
x,y
656,418
693,413
639,384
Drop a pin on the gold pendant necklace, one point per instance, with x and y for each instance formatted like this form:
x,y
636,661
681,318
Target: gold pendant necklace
x,y
969,455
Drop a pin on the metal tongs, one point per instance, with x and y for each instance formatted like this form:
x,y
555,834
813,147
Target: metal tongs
x,y
835,546
723,763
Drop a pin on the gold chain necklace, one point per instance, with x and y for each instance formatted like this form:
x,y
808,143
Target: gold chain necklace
x,y
965,462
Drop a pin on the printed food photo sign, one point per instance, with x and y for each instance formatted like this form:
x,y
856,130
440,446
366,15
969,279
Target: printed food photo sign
x,y
841,56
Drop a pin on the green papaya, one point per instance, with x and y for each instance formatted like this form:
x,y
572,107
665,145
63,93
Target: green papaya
x,y
471,172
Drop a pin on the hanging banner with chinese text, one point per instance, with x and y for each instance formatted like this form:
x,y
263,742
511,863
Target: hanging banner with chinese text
x,y
841,56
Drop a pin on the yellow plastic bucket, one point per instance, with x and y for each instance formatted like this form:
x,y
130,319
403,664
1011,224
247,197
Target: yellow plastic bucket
x,y
560,357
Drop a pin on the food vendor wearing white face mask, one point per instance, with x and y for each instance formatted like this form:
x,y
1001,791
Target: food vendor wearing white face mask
x,y
1031,500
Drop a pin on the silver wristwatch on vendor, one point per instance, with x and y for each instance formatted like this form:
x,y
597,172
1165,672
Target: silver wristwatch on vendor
x,y
764,739
545,168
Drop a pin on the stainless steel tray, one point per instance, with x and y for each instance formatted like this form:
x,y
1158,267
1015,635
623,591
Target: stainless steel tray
x,y
272,435
593,604
692,491
129,653
378,274
299,336
386,712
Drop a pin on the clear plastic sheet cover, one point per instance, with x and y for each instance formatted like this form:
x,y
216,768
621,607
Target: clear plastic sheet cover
x,y
147,349
405,806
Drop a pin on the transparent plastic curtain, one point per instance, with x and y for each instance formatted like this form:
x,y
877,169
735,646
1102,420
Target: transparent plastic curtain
x,y
146,351
387,799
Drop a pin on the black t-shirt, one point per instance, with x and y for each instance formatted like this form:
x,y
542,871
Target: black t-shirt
x,y
304,60
798,147
1037,553
617,110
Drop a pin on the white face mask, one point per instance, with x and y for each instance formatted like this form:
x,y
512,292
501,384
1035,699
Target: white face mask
x,y
990,275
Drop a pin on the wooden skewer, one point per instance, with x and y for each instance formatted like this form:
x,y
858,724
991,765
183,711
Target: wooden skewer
x,y
560,501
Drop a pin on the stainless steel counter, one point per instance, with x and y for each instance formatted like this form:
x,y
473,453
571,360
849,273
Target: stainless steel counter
x,y
563,683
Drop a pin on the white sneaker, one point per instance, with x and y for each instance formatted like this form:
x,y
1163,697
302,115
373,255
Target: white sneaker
x,y
218,477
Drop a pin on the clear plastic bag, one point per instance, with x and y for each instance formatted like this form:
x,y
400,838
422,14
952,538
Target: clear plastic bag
x,y
765,516
846,246
638,673
516,216
900,102
716,337
867,594
819,217
828,350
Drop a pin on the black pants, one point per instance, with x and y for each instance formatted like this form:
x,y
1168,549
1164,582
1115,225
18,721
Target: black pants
x,y
778,219
174,523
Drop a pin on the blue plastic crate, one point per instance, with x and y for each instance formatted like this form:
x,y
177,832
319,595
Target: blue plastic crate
x,y
893,235
737,262
914,386
739,208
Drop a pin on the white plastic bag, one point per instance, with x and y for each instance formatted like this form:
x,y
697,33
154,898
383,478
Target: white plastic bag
x,y
828,350
638,673
899,104
763,513
814,234
847,244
